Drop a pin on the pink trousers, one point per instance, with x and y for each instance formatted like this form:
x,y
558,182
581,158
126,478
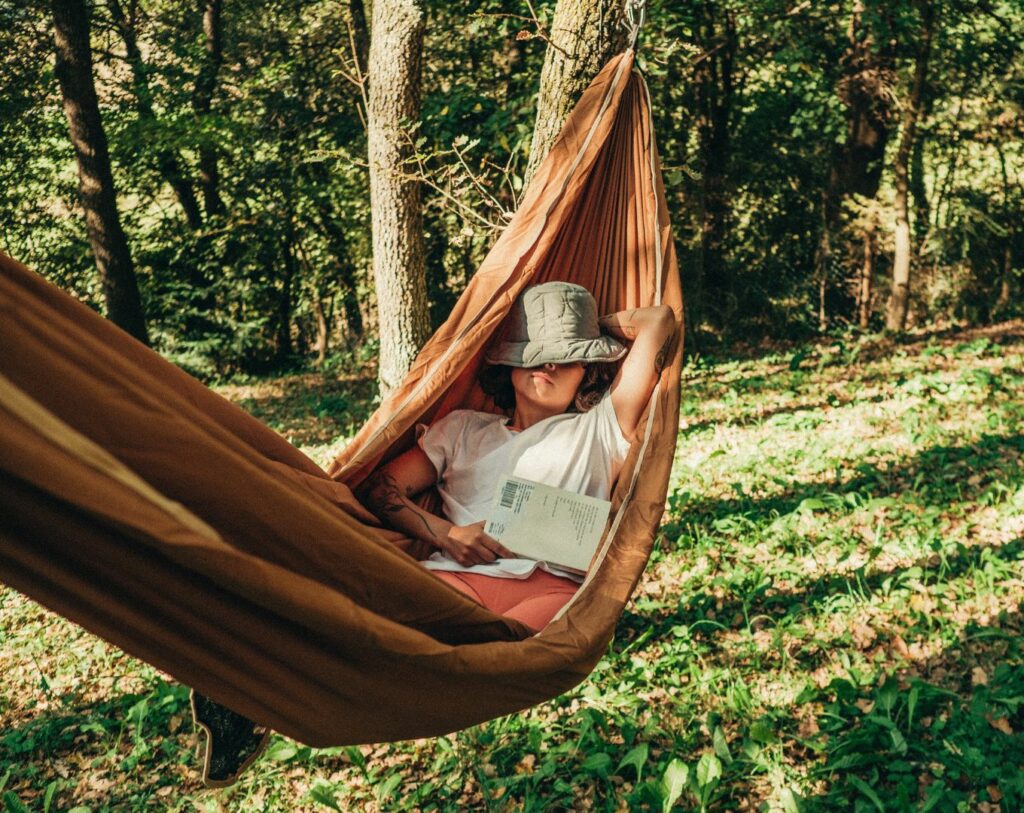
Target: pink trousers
x,y
533,600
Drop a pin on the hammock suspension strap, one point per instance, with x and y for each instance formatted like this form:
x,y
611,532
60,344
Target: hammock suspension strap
x,y
635,12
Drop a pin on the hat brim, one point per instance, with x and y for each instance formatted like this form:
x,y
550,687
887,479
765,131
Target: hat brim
x,y
536,353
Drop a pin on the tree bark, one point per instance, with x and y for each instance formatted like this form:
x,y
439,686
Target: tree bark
x,y
73,69
202,103
323,325
585,34
899,300
396,43
166,161
918,190
714,87
856,166
867,274
284,301
1006,272
344,269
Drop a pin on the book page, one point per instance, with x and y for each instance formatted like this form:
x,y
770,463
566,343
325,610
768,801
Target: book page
x,y
550,524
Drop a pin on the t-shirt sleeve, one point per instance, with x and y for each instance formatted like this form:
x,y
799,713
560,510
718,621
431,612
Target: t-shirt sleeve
x,y
608,429
439,442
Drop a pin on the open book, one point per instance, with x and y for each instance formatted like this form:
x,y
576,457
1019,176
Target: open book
x,y
550,524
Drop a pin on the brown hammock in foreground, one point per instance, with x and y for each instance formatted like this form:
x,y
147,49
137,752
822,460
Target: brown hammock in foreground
x,y
161,517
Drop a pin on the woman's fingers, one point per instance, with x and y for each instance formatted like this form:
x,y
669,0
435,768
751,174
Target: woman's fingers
x,y
495,547
490,543
469,545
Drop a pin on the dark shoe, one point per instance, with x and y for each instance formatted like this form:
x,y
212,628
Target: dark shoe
x,y
233,742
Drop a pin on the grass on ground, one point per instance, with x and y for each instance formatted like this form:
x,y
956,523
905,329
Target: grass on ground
x,y
831,621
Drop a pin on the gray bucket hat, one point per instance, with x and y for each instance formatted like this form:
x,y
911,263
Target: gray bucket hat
x,y
554,322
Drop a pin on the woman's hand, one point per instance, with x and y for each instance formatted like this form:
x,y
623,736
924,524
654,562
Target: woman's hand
x,y
469,545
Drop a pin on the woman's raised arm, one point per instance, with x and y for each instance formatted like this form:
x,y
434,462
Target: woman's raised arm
x,y
653,332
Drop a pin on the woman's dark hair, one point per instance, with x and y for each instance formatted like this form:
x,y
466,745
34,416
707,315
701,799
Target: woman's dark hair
x,y
496,381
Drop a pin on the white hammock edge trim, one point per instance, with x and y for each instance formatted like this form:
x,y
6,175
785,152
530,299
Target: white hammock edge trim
x,y
64,436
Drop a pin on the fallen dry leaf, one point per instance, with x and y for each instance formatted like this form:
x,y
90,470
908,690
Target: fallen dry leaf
x,y
999,724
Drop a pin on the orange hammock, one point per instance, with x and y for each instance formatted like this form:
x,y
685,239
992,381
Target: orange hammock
x,y
159,516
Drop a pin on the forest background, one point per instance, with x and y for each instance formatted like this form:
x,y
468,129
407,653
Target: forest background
x,y
799,142
831,619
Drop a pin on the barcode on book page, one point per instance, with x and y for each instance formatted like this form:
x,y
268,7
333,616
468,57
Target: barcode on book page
x,y
508,494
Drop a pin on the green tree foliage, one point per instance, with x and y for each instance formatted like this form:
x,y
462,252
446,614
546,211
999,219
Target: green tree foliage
x,y
749,114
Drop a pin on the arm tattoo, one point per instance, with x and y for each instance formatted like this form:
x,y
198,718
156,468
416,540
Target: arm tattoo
x,y
662,356
386,501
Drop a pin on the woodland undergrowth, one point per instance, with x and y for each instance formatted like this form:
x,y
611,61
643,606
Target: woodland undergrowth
x,y
831,621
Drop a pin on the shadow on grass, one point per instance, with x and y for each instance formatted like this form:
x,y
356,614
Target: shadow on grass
x,y
754,418
913,744
932,475
948,469
128,730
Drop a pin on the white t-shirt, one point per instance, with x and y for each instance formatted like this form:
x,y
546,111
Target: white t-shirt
x,y
580,452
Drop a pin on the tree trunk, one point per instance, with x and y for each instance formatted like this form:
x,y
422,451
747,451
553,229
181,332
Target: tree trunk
x,y
919,192
396,43
345,272
338,247
714,85
867,274
585,34
73,69
323,324
166,162
899,300
1003,298
856,166
284,302
202,102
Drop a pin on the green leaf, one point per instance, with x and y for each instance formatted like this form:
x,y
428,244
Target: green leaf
x,y
899,743
721,746
281,751
887,694
598,763
388,786
355,754
788,800
864,788
673,782
12,804
637,757
709,770
761,732
323,793
51,791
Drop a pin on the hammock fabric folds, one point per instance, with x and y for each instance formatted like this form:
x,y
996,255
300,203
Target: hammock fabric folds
x,y
156,514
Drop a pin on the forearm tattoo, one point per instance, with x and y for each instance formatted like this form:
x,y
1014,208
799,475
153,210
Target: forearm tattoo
x,y
662,356
386,501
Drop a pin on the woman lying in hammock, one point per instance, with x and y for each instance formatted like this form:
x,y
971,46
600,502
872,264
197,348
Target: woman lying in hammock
x,y
556,359
566,428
